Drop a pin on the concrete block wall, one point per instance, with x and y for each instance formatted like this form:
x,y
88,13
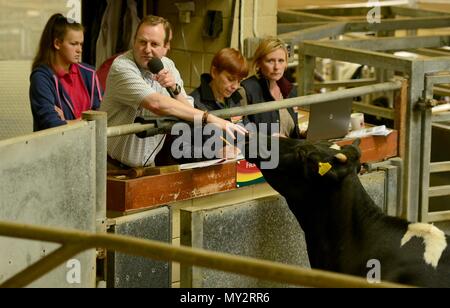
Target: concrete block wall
x,y
263,228
127,271
192,52
210,202
231,222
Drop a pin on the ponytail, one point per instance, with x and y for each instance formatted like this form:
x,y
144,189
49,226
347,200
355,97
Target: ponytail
x,y
56,28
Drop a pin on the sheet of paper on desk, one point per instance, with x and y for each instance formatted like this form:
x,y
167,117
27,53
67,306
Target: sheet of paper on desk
x,y
208,163
202,164
372,131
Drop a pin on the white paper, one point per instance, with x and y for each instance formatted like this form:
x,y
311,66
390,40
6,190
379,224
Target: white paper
x,y
372,131
202,164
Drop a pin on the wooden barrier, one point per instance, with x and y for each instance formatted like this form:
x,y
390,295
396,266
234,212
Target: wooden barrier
x,y
152,191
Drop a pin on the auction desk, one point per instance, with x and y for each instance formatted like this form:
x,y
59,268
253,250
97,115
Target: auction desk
x,y
130,195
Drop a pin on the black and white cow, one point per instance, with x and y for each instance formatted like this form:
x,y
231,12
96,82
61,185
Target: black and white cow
x,y
344,229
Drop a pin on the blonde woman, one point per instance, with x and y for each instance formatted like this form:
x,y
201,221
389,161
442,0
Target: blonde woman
x,y
269,84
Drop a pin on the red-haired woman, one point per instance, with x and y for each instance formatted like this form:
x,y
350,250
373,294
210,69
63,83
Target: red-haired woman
x,y
219,89
61,88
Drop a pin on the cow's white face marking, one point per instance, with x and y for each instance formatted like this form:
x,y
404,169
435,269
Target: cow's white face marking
x,y
336,147
433,238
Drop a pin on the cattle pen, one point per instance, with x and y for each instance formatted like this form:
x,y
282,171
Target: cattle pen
x,y
67,221
96,130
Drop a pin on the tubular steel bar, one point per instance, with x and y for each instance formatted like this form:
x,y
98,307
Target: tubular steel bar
x,y
265,107
440,167
318,32
287,16
441,117
128,129
80,241
356,9
394,43
386,4
385,113
412,12
295,26
390,24
308,100
439,191
437,64
441,91
344,83
371,58
439,216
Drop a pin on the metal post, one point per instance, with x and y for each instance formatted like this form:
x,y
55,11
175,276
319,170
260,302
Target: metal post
x,y
100,119
426,152
305,72
391,189
425,165
411,179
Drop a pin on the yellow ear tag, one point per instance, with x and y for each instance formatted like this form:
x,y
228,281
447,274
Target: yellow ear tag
x,y
324,168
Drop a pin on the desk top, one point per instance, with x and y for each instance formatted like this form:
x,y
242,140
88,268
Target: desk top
x,y
373,148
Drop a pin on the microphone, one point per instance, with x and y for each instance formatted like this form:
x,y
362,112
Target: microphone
x,y
155,65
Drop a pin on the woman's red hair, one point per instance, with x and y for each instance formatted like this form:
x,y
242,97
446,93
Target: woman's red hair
x,y
232,61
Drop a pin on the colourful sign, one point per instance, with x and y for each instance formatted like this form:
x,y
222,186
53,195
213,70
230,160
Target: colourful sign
x,y
247,174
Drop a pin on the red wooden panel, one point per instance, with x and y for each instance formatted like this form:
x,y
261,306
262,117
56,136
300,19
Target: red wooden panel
x,y
154,191
377,148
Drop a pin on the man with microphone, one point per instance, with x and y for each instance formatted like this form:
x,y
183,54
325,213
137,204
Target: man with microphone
x,y
132,90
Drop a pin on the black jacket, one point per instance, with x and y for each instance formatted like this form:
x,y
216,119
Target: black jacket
x,y
257,91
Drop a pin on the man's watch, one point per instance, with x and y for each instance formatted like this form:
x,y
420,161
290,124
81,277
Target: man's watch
x,y
177,90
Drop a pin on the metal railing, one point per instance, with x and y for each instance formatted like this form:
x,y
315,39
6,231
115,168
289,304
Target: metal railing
x,y
74,242
428,168
265,107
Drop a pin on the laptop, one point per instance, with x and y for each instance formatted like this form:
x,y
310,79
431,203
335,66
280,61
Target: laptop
x,y
329,120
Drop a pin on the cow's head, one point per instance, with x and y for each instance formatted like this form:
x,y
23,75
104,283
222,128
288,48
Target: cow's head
x,y
311,162
324,161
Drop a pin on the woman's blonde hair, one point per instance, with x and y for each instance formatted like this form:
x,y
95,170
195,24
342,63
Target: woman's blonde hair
x,y
267,45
